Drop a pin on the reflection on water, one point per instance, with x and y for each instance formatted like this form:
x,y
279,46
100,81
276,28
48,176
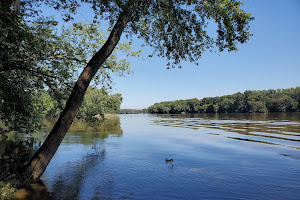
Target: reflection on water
x,y
83,133
239,156
239,116
9,144
80,155
72,176
282,129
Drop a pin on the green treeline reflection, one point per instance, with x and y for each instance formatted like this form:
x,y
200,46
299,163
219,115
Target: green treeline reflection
x,y
83,132
133,111
280,129
281,100
80,132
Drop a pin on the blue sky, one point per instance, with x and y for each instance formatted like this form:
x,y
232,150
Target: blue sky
x,y
270,60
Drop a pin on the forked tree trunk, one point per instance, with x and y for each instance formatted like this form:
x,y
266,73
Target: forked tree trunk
x,y
43,156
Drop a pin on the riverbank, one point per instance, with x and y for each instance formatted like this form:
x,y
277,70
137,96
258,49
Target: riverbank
x,y
35,191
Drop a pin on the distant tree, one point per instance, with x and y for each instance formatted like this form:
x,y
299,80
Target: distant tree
x,y
283,103
96,103
216,107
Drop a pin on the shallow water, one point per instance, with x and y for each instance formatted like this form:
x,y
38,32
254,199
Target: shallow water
x,y
229,156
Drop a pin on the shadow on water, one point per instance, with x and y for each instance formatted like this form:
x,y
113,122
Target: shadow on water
x,y
69,183
280,129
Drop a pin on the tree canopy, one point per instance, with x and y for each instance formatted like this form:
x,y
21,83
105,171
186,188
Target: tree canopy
x,y
177,30
35,56
281,100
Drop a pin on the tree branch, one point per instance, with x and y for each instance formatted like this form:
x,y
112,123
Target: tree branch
x,y
65,57
37,73
3,131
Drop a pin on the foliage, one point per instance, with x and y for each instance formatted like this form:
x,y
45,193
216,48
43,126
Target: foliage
x,y
22,46
87,39
35,57
281,100
176,30
28,64
6,191
12,175
96,103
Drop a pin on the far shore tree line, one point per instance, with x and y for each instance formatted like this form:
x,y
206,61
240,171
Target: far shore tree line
x,y
98,102
280,100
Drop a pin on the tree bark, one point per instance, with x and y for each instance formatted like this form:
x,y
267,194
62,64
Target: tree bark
x,y
43,156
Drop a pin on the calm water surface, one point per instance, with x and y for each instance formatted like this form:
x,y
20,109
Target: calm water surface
x,y
230,156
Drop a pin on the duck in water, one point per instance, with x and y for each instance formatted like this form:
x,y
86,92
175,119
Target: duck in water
x,y
169,161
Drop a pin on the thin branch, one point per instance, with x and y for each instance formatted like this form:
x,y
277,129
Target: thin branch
x,y
37,73
21,68
65,57
121,57
107,67
3,131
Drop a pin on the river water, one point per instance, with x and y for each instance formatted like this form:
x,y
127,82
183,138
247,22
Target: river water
x,y
218,156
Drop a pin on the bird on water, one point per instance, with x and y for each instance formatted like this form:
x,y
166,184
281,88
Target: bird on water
x,y
169,161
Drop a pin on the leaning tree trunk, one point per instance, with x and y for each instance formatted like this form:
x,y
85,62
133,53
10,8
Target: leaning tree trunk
x,y
43,156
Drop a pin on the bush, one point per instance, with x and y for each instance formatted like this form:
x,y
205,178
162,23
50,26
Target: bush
x,y
13,174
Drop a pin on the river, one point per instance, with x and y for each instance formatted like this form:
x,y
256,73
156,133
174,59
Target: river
x,y
217,156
